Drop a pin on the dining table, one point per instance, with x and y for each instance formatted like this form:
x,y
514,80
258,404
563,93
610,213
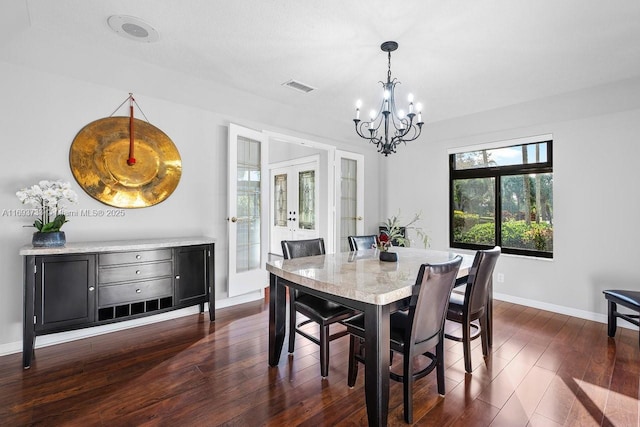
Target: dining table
x,y
361,281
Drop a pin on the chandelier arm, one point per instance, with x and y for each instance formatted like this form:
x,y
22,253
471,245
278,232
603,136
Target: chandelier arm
x,y
416,131
359,125
372,139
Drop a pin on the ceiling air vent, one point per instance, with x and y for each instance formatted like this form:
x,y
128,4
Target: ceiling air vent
x,y
300,87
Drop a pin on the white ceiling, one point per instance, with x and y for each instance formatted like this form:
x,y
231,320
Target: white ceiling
x,y
457,57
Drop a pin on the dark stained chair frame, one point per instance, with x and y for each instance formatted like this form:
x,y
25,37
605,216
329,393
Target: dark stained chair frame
x,y
626,298
362,242
414,332
324,313
473,305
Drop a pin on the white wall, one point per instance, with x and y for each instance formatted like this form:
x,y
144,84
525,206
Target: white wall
x,y
596,152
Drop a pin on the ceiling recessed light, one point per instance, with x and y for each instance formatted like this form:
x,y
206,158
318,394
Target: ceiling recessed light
x,y
133,28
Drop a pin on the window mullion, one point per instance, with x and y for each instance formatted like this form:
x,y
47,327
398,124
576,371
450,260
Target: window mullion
x,y
498,211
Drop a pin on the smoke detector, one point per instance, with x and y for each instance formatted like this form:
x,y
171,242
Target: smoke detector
x,y
133,28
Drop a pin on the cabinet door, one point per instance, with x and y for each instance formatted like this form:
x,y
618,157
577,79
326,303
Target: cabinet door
x,y
192,274
65,291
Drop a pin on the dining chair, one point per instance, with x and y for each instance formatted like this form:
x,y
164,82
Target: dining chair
x,y
324,313
473,304
362,242
414,332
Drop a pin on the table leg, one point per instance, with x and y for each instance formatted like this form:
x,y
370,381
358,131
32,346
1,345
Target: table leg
x,y
376,380
277,312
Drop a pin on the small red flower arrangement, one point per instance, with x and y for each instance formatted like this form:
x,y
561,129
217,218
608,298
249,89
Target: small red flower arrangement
x,y
385,242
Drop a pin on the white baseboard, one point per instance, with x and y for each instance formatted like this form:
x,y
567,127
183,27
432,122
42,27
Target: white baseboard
x,y
560,309
77,334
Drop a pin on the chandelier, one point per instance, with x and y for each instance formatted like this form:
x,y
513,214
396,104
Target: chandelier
x,y
389,126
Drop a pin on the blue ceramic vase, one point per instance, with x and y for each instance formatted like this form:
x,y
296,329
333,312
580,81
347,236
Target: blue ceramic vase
x,y
48,240
388,256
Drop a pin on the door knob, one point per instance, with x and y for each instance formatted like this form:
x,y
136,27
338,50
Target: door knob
x,y
233,219
359,218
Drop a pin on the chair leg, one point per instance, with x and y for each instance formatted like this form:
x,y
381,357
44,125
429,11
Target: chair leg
x,y
466,342
484,335
612,320
440,366
354,348
324,351
407,385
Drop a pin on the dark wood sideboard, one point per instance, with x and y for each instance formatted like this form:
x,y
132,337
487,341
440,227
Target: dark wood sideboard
x,y
88,284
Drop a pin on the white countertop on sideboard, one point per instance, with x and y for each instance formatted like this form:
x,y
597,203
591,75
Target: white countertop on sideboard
x,y
117,245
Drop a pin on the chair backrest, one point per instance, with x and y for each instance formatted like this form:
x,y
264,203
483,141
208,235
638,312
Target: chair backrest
x,y
430,299
480,276
301,248
362,242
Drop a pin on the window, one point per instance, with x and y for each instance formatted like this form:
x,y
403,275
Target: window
x,y
503,195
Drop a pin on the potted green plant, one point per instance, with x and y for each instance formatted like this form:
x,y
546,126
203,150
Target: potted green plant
x,y
46,197
395,233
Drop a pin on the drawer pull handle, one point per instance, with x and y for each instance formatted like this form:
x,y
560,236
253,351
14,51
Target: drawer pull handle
x,y
91,289
138,256
138,291
137,271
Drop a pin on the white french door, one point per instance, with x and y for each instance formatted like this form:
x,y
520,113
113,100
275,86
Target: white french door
x,y
247,219
294,201
350,197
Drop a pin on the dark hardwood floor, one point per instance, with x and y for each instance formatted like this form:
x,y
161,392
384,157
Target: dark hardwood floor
x,y
545,369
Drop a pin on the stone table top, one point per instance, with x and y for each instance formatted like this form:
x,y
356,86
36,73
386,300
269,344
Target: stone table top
x,y
360,275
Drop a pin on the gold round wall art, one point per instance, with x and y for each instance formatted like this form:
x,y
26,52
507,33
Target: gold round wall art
x,y
101,159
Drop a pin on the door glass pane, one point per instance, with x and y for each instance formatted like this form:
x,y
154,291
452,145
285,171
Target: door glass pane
x,y
348,201
527,212
474,211
307,200
248,205
280,200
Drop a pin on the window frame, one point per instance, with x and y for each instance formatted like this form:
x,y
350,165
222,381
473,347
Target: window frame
x,y
497,172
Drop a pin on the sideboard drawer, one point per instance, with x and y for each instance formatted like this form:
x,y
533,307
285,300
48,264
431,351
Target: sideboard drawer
x,y
131,292
134,272
115,258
